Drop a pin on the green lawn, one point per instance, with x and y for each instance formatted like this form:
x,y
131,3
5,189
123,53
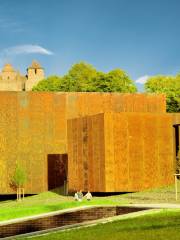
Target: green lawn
x,y
48,202
51,201
158,226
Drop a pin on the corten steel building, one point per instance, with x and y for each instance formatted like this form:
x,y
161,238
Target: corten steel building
x,y
102,142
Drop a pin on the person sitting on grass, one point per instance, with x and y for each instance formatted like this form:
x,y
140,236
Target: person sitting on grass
x,y
80,195
88,196
76,196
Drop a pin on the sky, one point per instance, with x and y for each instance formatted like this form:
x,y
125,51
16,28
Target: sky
x,y
141,37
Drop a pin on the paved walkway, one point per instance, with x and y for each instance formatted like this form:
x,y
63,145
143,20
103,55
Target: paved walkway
x,y
158,205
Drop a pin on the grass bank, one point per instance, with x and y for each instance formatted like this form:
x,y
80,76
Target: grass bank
x,y
162,226
51,201
48,202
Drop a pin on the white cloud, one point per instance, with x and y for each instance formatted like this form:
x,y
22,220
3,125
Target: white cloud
x,y
26,49
142,79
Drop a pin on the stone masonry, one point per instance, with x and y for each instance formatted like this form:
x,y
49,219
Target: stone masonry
x,y
12,80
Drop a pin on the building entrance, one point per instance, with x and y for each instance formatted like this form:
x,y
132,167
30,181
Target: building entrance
x,y
177,139
57,170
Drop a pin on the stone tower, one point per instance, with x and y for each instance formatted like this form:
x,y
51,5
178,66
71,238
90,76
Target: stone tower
x,y
35,73
11,80
8,72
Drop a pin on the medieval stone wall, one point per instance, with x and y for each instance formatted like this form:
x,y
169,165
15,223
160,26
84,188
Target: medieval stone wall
x,y
11,80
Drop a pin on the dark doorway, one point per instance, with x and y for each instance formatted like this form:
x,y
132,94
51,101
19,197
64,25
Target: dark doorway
x,y
177,137
177,149
57,170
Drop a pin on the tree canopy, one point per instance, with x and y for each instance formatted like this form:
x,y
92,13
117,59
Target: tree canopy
x,y
19,178
170,86
83,77
18,181
50,84
114,81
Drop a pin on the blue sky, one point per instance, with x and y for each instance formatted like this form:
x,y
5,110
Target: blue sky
x,y
141,37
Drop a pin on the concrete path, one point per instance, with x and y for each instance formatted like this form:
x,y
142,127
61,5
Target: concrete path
x,y
158,205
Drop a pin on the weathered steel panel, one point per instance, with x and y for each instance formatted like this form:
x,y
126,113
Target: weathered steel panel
x,y
165,147
86,156
29,131
136,152
82,104
135,156
175,118
150,151
121,152
109,153
33,125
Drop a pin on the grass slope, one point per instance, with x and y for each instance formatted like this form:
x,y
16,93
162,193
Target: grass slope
x,y
51,201
48,202
161,226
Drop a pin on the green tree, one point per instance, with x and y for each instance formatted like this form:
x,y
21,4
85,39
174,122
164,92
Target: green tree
x,y
50,84
170,86
18,181
79,78
83,77
114,81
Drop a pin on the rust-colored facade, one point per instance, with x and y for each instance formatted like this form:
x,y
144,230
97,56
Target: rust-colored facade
x,y
120,152
34,131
